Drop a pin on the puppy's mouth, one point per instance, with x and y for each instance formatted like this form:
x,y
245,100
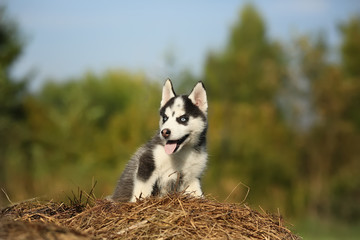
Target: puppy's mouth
x,y
172,146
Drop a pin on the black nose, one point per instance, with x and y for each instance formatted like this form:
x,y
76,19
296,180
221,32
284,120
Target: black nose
x,y
165,133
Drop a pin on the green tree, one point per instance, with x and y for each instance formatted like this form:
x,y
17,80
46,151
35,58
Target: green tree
x,y
249,141
88,128
249,67
12,92
350,47
328,151
346,186
350,53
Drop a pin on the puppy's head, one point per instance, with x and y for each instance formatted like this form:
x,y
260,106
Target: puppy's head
x,y
182,118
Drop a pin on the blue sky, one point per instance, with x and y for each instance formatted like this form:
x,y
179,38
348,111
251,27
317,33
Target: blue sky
x,y
67,38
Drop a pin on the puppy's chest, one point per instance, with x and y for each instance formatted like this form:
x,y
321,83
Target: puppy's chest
x,y
170,169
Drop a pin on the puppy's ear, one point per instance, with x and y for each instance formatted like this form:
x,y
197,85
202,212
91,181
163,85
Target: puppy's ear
x,y
167,92
198,97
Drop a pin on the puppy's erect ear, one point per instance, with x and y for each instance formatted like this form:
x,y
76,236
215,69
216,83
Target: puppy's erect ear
x,y
198,97
167,92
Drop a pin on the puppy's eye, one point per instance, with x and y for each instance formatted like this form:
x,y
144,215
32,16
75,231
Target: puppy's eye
x,y
184,119
165,118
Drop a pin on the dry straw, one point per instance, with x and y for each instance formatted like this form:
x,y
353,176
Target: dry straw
x,y
176,216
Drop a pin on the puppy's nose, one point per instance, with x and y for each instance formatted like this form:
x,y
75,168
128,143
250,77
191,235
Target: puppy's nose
x,y
165,133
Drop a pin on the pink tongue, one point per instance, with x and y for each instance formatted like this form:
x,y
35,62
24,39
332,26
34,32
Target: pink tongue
x,y
170,148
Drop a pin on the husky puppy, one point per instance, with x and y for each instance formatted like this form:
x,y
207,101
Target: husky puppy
x,y
175,158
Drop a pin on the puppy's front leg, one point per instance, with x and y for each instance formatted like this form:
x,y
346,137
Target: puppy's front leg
x,y
142,189
194,188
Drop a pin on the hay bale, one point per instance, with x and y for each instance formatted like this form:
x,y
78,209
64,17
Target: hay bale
x,y
174,216
20,230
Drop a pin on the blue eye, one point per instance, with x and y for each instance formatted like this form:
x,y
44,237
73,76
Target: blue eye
x,y
184,119
165,118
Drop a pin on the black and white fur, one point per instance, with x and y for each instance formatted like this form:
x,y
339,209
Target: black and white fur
x,y
175,158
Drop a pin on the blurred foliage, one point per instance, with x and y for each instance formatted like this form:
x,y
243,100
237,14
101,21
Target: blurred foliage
x,y
250,63
283,121
12,91
86,129
249,141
